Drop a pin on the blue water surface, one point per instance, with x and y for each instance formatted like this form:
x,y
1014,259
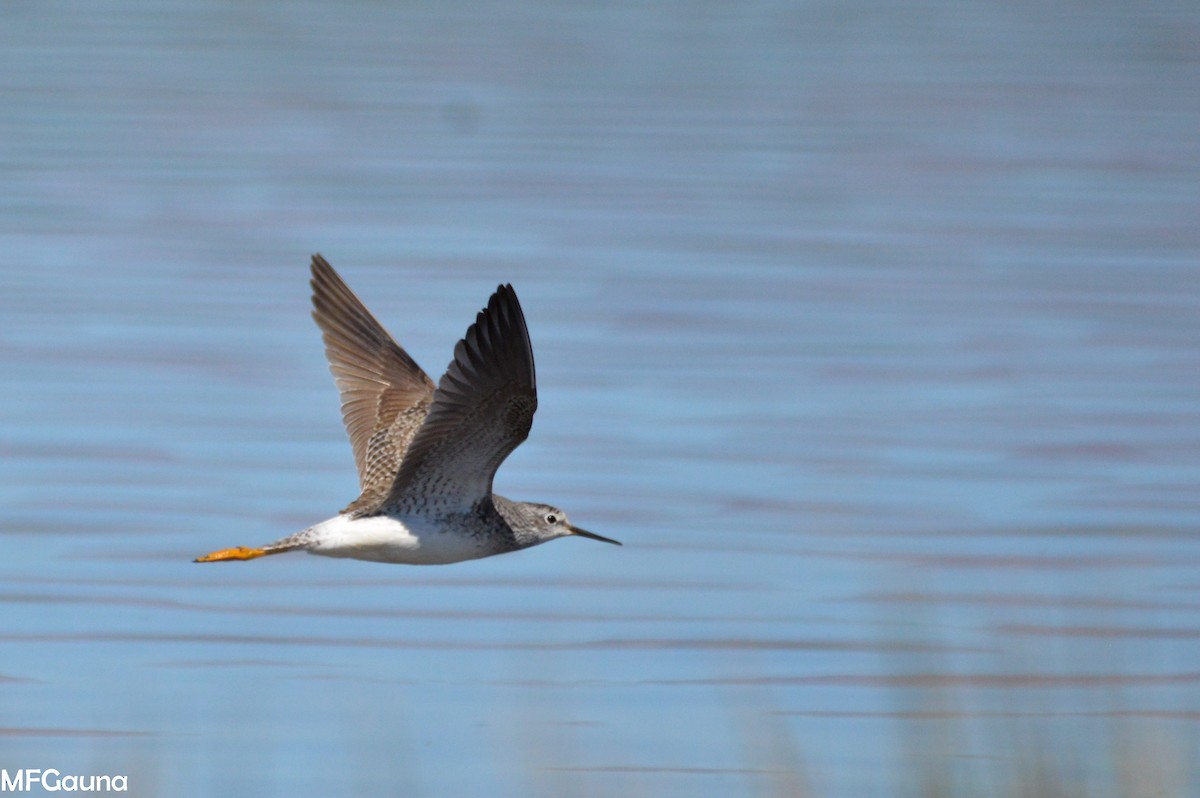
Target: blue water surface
x,y
872,331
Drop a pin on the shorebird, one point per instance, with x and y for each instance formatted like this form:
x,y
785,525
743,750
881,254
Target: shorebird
x,y
426,454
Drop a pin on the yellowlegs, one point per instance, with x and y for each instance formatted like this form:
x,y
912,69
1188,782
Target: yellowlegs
x,y
426,454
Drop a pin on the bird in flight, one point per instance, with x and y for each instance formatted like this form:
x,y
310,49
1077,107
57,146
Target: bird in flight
x,y
426,454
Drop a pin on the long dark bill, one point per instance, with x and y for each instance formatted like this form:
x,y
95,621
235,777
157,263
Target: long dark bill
x,y
583,533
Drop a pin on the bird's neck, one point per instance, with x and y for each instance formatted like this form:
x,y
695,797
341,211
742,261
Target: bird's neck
x,y
510,512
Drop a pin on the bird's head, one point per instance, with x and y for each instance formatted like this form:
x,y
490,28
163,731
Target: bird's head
x,y
536,523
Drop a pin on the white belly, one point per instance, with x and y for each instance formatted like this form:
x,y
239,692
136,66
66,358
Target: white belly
x,y
414,540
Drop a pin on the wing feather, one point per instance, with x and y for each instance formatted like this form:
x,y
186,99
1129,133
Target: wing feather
x,y
385,394
482,410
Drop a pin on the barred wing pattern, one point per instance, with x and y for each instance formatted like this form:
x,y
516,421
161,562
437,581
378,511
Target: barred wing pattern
x,y
385,394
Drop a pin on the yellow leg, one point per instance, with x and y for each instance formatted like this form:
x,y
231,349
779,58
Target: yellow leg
x,y
236,553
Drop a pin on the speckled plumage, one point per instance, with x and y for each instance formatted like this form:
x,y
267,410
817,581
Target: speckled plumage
x,y
385,394
426,454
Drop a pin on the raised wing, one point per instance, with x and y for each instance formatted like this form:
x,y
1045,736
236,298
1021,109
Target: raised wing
x,y
385,394
482,409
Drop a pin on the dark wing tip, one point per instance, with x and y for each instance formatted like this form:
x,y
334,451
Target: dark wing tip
x,y
503,313
323,275
504,302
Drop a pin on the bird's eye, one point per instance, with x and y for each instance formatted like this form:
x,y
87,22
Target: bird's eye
x,y
552,519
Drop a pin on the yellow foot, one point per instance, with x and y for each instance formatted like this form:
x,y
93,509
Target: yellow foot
x,y
237,553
